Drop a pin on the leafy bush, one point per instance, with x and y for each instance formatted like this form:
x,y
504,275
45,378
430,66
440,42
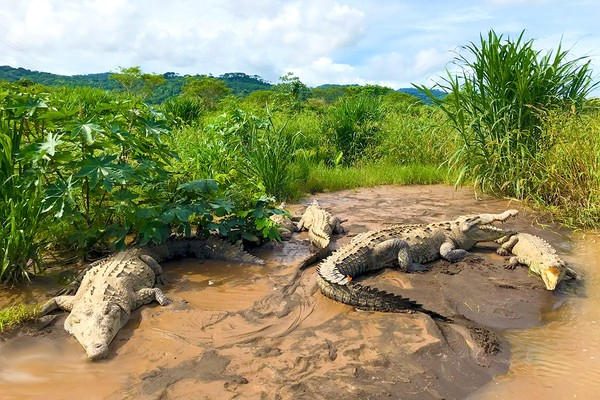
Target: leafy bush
x,y
100,170
498,101
353,124
268,158
183,110
21,176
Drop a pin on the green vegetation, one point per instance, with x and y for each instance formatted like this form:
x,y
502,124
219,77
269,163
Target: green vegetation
x,y
85,171
321,178
504,105
16,315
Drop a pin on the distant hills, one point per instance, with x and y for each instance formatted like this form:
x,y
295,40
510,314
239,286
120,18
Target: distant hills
x,y
420,95
239,82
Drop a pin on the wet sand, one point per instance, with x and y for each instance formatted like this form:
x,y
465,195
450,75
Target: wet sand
x,y
240,331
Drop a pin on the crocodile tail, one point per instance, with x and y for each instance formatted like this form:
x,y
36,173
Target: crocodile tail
x,y
314,257
219,249
371,299
319,238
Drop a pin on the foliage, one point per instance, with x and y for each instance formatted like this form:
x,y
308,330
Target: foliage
x,y
15,315
414,135
567,178
134,81
208,89
241,84
291,91
323,178
97,167
21,174
183,110
268,158
498,103
353,124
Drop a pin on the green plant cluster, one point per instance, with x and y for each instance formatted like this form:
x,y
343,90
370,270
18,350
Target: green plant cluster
x,y
85,171
525,126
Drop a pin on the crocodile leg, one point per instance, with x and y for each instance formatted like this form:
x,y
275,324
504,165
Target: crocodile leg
x,y
390,252
449,252
155,267
507,245
59,302
513,263
148,295
337,225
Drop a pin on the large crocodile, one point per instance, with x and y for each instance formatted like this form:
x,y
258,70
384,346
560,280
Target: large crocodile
x,y
538,255
406,247
119,284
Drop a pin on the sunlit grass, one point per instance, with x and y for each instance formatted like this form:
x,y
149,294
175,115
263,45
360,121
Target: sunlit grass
x,y
321,178
16,315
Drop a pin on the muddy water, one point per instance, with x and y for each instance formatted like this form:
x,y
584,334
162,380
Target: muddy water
x,y
240,331
561,358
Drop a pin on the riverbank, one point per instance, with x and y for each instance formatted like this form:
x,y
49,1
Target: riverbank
x,y
266,332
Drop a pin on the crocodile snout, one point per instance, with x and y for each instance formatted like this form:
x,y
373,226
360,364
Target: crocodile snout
x,y
97,351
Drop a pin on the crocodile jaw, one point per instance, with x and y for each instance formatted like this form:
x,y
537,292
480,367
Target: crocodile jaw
x,y
486,233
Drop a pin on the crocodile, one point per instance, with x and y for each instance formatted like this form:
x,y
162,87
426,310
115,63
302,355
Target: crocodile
x,y
115,286
407,247
538,255
320,225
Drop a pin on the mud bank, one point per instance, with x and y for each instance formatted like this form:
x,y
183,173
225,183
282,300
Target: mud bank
x,y
239,331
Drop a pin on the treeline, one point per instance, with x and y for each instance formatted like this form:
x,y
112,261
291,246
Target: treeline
x,y
239,83
171,84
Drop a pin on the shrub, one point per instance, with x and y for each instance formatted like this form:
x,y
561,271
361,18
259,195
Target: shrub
x,y
353,124
183,110
498,102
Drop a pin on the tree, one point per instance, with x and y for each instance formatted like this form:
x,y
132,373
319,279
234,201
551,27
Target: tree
x,y
209,89
134,81
292,90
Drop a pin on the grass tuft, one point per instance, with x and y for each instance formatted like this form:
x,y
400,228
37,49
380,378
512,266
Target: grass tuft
x,y
15,315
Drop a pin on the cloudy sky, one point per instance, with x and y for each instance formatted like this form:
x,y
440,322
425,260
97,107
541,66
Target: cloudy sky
x,y
322,41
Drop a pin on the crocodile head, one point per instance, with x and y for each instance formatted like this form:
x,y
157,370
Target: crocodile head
x,y
552,275
95,326
468,230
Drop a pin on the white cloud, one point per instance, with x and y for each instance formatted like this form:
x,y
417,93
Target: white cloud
x,y
339,41
190,37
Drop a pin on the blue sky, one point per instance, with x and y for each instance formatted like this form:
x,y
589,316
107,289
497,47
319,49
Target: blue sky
x,y
393,43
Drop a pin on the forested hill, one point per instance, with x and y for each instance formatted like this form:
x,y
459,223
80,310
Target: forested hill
x,y
239,82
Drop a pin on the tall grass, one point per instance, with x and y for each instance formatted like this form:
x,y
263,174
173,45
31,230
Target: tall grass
x,y
418,136
568,176
353,124
268,159
498,102
322,178
15,315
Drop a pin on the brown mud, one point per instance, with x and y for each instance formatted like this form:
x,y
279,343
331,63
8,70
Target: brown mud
x,y
265,332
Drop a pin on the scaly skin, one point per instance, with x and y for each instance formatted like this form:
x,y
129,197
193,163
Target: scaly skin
x,y
537,254
112,288
406,247
320,225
